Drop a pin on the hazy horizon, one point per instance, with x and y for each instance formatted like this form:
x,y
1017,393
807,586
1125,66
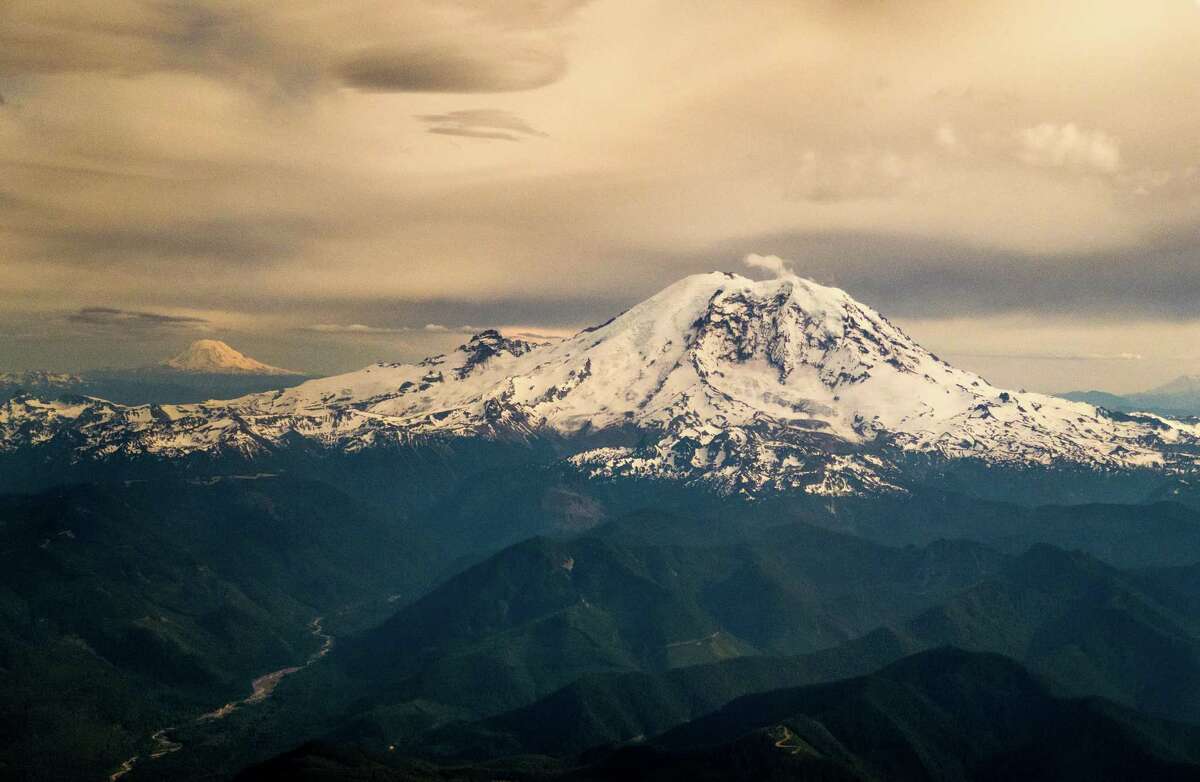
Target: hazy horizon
x,y
370,344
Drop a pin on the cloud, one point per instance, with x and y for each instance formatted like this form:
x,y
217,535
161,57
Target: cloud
x,y
772,263
352,328
224,156
480,123
437,328
905,276
418,46
854,174
56,36
362,328
463,46
112,318
1068,146
1043,356
229,240
501,66
946,137
533,336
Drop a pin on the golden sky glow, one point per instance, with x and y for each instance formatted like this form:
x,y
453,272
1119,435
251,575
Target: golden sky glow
x,y
1007,178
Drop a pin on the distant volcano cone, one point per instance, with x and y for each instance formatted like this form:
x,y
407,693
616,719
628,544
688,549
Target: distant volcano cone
x,y
212,356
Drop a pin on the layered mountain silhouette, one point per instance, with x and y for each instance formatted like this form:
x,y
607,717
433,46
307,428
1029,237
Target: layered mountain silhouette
x,y
1178,397
945,714
1133,637
205,369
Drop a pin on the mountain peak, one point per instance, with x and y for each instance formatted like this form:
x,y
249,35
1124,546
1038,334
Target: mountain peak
x,y
491,342
705,291
1184,384
212,356
486,345
742,385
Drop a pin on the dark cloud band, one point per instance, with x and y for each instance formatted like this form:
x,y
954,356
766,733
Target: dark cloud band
x,y
455,68
111,317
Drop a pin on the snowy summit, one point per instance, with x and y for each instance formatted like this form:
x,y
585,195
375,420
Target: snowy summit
x,y
741,385
212,356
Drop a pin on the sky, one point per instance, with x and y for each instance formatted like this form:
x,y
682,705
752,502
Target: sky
x,y
328,183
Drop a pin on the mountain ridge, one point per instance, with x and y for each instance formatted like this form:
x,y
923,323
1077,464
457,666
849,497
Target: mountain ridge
x,y
206,369
943,714
1177,397
718,380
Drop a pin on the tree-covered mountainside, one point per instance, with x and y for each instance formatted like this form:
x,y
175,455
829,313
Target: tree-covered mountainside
x,y
145,604
539,615
1091,629
125,609
535,616
557,646
945,714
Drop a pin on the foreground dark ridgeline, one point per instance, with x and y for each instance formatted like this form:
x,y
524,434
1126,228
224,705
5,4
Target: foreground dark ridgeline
x,y
940,715
130,608
1089,628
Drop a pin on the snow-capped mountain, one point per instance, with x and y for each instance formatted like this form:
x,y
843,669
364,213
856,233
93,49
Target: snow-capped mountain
x,y
740,385
212,356
207,369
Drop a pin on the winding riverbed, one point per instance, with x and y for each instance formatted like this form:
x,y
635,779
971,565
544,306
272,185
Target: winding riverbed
x,y
260,689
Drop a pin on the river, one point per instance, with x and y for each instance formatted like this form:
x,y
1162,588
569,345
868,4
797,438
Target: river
x,y
260,689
